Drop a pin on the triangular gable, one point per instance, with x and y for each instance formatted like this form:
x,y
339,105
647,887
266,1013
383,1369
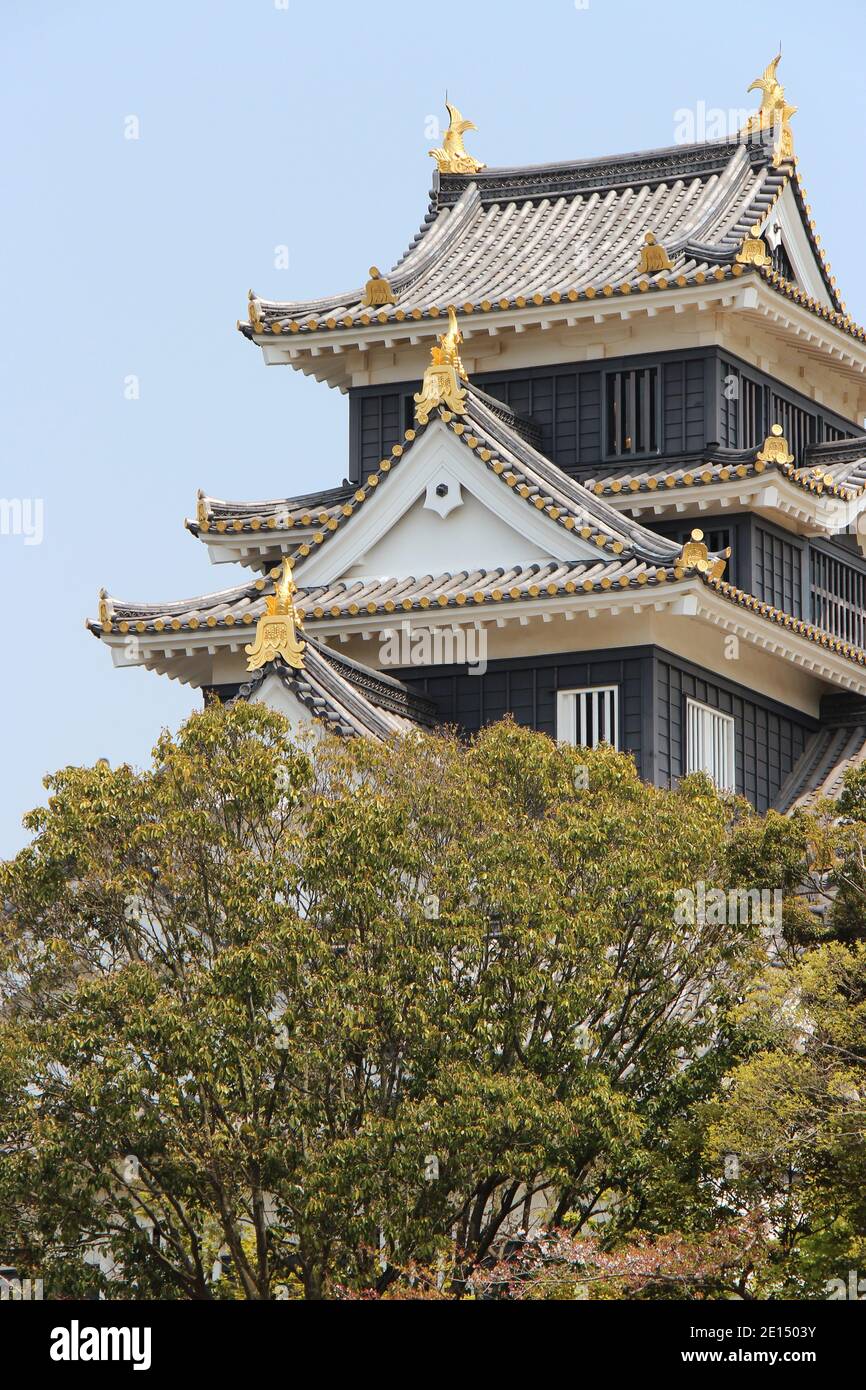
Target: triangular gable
x,y
469,536
787,225
402,526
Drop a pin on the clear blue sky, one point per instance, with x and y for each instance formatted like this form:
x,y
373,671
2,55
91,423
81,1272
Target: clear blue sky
x,y
265,123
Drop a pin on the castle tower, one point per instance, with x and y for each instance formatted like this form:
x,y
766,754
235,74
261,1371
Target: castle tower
x,y
607,471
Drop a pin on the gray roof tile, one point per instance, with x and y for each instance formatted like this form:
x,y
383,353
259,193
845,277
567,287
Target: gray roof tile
x,y
568,230
820,771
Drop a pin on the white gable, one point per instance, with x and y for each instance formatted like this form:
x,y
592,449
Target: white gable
x,y
785,224
469,537
441,509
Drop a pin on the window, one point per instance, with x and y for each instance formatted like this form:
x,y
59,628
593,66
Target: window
x,y
710,744
752,430
632,412
838,597
777,571
588,717
742,412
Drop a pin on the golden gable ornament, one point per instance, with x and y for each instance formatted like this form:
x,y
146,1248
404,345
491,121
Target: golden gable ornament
x,y
275,633
377,291
441,384
452,157
695,556
753,250
772,121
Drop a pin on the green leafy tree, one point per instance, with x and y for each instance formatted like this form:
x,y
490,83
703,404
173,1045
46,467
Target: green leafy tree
x,y
817,857
793,1123
328,1010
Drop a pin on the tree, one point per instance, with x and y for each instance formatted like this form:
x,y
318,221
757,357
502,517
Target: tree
x,y
723,1262
328,1009
794,1119
817,857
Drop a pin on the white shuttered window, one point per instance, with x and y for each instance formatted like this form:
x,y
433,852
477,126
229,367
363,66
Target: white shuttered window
x,y
588,717
710,744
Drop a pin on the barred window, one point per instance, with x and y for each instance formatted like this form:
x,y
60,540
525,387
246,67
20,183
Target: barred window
x,y
588,716
782,263
710,744
633,411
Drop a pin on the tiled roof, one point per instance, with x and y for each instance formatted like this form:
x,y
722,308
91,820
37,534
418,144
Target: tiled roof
x,y
841,466
818,635
833,470
629,555
466,590
839,745
246,603
498,444
510,238
488,436
243,603
308,512
346,696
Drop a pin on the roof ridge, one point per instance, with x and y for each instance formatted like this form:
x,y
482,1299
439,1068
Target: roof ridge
x,y
608,170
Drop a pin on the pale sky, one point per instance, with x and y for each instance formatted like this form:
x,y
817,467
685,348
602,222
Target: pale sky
x,y
263,124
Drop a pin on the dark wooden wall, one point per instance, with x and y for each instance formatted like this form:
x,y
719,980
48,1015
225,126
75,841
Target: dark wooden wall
x,y
654,687
704,396
526,688
769,738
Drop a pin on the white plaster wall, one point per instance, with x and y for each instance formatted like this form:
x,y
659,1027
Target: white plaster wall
x,y
469,537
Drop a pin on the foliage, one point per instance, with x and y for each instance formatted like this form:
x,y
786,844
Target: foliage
x,y
336,1011
795,1116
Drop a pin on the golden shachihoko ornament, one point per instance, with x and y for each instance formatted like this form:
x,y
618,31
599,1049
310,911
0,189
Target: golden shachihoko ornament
x,y
276,631
441,384
452,157
772,121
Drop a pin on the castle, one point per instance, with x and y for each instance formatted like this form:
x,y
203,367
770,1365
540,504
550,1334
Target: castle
x,y
607,473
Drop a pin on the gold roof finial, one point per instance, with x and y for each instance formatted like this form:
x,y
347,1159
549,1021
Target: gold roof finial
x,y
753,250
452,157
653,257
441,385
695,556
377,291
775,448
773,115
275,632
